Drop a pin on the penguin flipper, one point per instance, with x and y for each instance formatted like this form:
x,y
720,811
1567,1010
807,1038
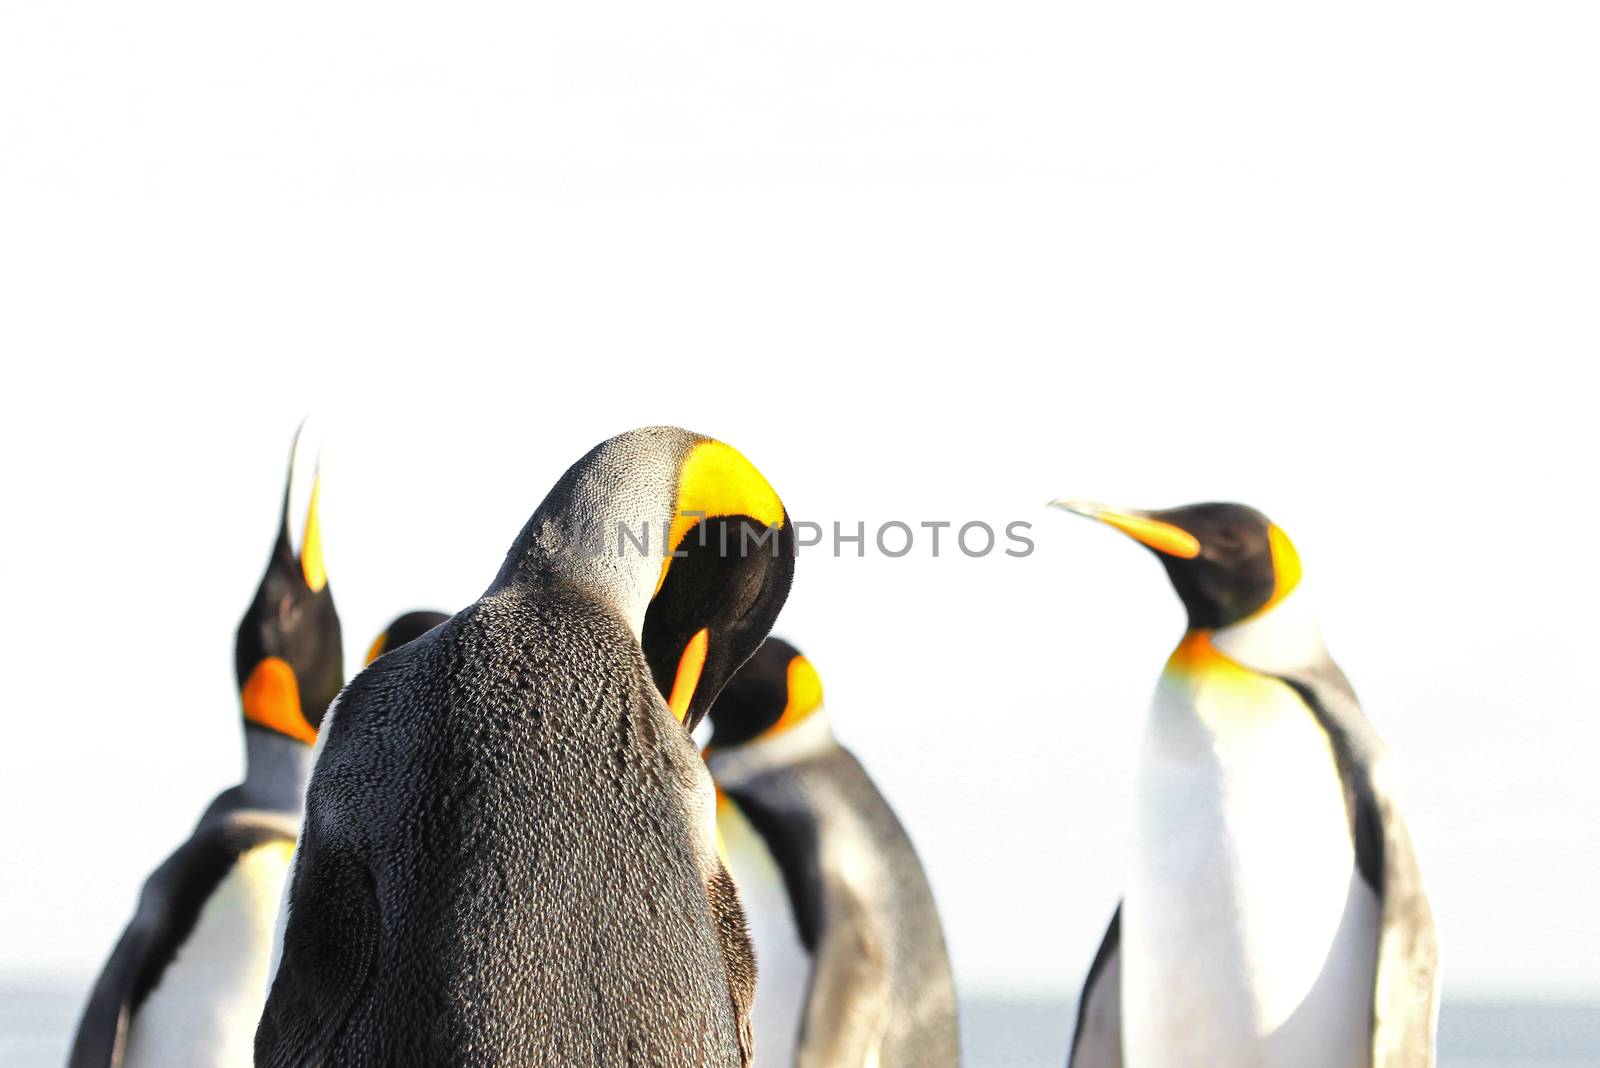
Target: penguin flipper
x,y
329,949
1405,996
1097,1042
848,1006
103,1028
169,905
738,955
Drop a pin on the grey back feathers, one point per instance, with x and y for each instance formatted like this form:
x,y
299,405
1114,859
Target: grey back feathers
x,y
497,866
507,854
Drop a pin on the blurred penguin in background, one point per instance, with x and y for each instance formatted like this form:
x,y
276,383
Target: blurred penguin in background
x,y
509,851
1274,914
868,983
405,628
185,984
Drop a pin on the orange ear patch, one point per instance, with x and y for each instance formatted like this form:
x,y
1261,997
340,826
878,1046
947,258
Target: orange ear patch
x,y
375,650
805,695
690,665
271,699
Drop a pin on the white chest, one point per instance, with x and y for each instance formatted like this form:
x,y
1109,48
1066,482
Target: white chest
x,y
782,964
205,1009
1248,937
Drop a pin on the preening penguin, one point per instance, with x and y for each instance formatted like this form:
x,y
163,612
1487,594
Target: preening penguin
x,y
509,849
880,991
186,982
1274,913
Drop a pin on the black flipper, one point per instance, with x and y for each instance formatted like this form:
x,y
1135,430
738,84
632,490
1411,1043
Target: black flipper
x,y
169,905
1097,1043
1405,1003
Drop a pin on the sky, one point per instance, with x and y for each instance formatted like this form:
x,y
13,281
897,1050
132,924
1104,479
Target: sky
x,y
919,263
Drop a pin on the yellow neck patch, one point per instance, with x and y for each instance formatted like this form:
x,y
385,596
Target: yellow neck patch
x,y
1199,666
805,696
1285,565
271,699
690,665
717,480
311,564
1225,694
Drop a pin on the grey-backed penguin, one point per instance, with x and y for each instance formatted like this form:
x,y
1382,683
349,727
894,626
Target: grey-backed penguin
x,y
186,982
1274,913
878,991
509,855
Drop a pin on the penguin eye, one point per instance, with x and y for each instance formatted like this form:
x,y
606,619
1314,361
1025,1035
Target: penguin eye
x,y
1227,539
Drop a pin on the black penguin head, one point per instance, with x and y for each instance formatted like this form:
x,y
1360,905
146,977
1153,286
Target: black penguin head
x,y
1227,561
684,538
405,628
288,652
776,689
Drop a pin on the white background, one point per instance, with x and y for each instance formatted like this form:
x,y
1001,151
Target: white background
x,y
919,262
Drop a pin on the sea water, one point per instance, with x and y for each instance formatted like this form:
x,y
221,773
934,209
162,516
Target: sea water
x,y
37,1018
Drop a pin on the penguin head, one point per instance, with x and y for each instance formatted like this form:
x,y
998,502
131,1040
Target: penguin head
x,y
1227,561
405,628
288,651
681,536
776,689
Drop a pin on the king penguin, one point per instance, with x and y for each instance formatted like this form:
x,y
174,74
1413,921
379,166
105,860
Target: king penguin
x,y
1274,913
186,982
878,991
509,852
405,628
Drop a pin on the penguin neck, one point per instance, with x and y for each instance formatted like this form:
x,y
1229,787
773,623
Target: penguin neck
x,y
549,557
275,770
736,766
1277,640
600,532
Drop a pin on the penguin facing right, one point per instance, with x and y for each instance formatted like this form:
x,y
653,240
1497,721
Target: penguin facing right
x,y
509,855
185,984
1274,915
880,993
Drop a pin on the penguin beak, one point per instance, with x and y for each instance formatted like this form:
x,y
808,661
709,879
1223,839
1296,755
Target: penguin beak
x,y
1164,538
690,666
301,522
311,565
